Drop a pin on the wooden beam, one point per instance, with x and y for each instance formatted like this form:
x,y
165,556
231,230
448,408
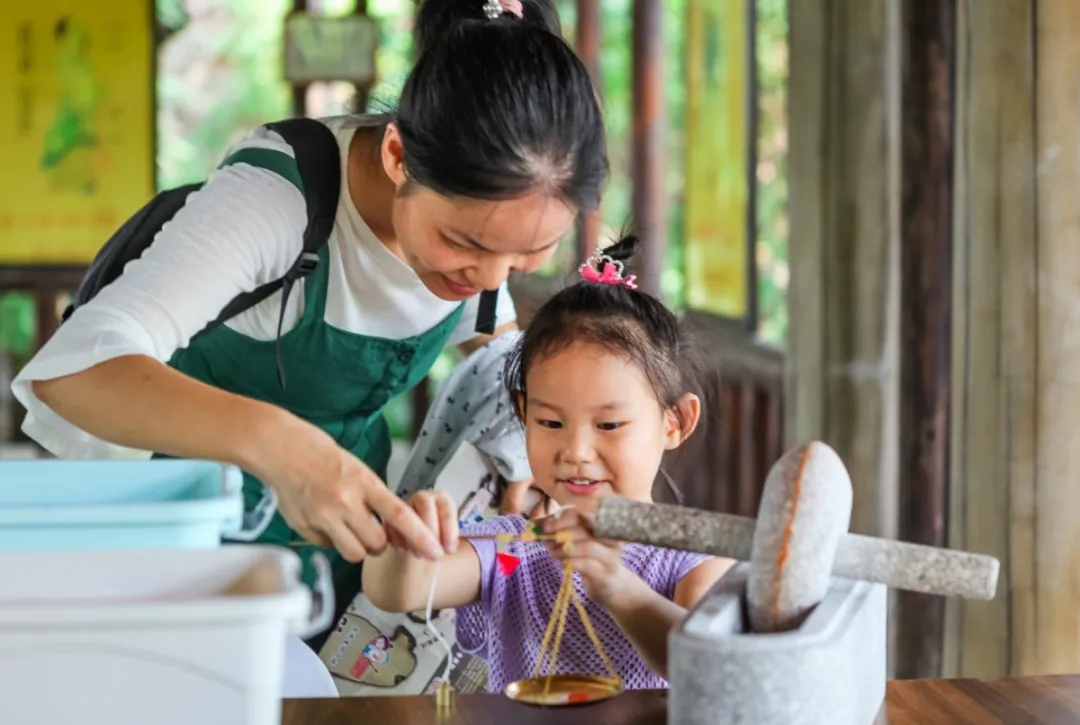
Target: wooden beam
x,y
1046,541
841,376
649,141
925,313
992,419
1016,480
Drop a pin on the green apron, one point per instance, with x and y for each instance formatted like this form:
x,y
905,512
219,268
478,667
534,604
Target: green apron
x,y
337,380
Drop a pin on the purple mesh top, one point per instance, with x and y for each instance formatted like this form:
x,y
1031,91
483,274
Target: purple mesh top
x,y
507,625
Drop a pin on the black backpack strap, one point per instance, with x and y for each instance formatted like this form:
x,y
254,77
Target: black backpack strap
x,y
319,161
485,316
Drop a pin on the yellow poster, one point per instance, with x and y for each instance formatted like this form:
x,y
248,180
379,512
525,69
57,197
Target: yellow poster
x,y
718,142
77,127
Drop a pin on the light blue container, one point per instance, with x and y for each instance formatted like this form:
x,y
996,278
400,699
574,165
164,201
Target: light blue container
x,y
165,503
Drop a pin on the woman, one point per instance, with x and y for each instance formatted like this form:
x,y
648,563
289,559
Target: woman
x,y
496,145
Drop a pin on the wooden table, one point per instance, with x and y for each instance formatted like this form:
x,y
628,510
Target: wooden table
x,y
1012,701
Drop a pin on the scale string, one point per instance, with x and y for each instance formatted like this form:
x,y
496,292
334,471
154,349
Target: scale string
x,y
432,629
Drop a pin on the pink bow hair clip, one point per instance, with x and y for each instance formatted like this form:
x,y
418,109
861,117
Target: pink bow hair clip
x,y
602,269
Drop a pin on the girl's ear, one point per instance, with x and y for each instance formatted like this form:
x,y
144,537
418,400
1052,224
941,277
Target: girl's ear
x,y
518,399
681,420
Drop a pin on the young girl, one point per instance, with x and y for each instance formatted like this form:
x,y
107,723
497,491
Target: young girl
x,y
602,385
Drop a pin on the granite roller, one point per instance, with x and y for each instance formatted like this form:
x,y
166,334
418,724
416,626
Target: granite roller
x,y
898,565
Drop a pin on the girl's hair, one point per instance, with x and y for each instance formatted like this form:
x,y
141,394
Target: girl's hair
x,y
625,321
496,109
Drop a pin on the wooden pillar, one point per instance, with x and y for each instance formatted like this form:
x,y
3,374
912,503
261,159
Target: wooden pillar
x,y
649,141
1049,590
299,90
587,41
362,91
925,313
1015,483
841,376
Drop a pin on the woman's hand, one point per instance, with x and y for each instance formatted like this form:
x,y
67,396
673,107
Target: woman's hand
x,y
332,498
440,515
603,575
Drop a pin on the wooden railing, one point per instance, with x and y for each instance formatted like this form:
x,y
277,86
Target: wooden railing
x,y
723,465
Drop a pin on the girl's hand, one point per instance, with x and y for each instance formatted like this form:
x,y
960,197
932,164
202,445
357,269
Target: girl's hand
x,y
599,562
440,515
332,498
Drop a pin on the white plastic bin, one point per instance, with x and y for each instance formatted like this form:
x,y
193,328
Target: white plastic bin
x,y
169,637
152,504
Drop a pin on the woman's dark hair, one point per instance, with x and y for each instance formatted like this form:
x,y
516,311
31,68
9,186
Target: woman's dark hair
x,y
496,109
625,321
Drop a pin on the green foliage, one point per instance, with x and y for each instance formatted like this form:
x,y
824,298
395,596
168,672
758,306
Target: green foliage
x,y
18,320
394,56
219,76
772,188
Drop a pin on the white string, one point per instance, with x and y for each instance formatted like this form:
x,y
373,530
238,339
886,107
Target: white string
x,y
432,629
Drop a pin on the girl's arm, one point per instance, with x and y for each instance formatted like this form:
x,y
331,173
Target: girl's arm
x,y
398,581
646,617
699,580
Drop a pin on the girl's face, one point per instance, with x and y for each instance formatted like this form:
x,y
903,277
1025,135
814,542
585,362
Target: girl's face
x,y
594,427
460,247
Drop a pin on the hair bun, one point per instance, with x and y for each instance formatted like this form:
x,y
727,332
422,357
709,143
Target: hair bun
x,y
624,249
437,19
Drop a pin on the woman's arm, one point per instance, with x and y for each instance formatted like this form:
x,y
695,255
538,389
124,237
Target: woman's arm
x,y
324,492
243,229
138,402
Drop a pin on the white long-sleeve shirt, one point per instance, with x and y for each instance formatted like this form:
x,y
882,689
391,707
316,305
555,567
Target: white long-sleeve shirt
x,y
242,229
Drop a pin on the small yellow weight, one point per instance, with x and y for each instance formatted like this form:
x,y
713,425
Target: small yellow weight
x,y
444,697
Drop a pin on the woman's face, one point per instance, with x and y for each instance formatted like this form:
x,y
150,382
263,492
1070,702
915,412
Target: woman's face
x,y
460,247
